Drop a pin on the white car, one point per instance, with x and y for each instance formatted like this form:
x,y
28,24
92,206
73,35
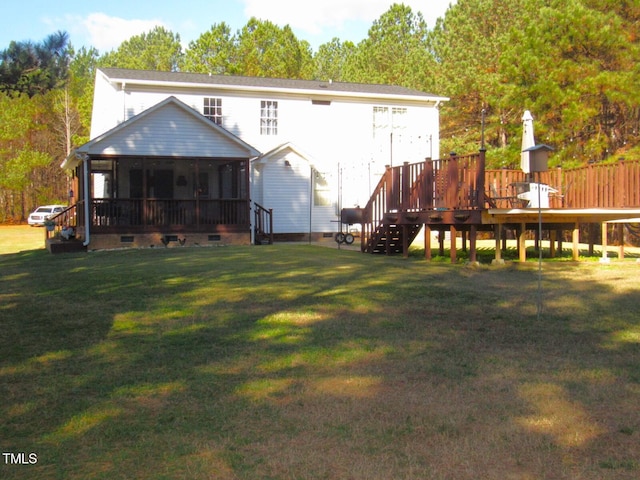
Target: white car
x,y
40,214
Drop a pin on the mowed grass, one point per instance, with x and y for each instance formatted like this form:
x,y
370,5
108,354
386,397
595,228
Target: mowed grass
x,y
305,362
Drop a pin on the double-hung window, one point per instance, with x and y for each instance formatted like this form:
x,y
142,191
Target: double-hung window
x,y
268,117
321,189
390,127
213,109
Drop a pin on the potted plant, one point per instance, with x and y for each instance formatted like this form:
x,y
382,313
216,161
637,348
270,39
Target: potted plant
x,y
49,224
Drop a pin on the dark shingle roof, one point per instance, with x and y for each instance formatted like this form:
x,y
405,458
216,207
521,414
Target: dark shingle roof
x,y
260,83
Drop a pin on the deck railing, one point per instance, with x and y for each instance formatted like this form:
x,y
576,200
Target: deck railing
x,y
502,187
462,183
615,185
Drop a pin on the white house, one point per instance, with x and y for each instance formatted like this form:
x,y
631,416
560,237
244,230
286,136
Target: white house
x,y
300,148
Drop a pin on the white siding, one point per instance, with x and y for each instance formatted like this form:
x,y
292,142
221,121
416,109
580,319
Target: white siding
x,y
341,132
338,136
169,132
288,192
287,189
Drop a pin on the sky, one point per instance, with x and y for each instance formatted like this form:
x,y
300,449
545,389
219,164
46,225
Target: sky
x,y
106,24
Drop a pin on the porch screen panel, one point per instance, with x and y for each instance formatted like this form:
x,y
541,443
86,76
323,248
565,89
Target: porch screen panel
x,y
136,189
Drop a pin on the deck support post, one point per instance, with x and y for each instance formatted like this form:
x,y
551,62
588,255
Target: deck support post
x,y
498,234
620,227
559,242
387,242
592,238
552,242
405,241
604,258
472,244
453,249
522,246
441,243
575,237
427,243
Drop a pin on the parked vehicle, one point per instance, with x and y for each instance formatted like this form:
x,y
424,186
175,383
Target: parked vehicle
x,y
40,214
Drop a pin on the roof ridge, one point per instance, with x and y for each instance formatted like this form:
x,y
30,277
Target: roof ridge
x,y
266,82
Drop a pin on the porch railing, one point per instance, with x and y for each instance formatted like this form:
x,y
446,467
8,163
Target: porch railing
x,y
158,213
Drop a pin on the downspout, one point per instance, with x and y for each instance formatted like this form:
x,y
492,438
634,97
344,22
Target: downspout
x,y
252,214
86,190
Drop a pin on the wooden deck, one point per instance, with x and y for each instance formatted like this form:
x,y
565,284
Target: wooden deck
x,y
458,194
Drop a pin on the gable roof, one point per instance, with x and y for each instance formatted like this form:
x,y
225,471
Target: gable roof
x,y
281,85
169,129
276,152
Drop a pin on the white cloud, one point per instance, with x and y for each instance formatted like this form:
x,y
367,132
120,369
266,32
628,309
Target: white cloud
x,y
106,33
313,17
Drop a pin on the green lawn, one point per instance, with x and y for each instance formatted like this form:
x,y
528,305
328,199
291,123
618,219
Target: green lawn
x,y
305,362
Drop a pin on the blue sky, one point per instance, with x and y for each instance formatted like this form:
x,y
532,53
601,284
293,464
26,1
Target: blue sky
x,y
104,25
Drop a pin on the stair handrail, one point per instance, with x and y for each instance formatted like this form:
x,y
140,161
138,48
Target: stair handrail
x,y
64,219
263,225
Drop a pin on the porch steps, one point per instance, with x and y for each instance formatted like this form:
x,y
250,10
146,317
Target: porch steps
x,y
57,245
390,241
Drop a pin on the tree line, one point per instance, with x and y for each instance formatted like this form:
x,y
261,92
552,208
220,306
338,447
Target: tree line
x,y
573,63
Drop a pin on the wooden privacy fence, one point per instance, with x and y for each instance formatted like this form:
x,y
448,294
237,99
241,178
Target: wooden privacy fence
x,y
614,185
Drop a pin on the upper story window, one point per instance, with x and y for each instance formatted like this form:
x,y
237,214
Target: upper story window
x,y
213,109
390,134
389,120
268,117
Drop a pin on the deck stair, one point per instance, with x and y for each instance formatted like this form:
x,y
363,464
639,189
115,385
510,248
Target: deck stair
x,y
438,194
60,245
390,239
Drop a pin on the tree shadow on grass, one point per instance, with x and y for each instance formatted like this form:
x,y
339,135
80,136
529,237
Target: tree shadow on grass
x,y
301,362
